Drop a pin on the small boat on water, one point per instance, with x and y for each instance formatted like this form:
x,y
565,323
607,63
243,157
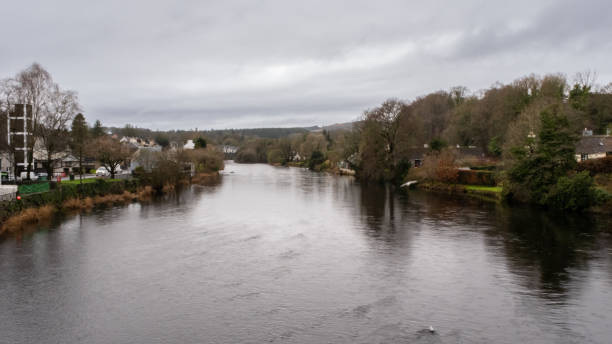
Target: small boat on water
x,y
410,183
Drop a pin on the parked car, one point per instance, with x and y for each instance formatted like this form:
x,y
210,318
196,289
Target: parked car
x,y
103,172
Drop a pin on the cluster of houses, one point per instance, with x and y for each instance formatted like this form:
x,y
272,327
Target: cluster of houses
x,y
19,136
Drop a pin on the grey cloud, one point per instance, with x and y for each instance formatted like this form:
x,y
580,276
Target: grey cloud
x,y
222,64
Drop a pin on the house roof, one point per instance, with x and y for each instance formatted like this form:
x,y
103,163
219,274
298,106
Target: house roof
x,y
594,144
417,153
470,152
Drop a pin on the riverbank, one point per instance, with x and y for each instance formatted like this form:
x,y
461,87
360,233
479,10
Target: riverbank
x,y
38,208
487,193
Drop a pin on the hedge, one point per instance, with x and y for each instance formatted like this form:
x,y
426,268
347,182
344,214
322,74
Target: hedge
x,y
483,168
61,192
471,177
595,166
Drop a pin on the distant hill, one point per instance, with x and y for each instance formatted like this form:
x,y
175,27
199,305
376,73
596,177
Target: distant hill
x,y
220,134
267,133
348,126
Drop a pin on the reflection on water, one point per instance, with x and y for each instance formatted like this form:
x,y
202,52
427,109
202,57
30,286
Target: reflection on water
x,y
286,255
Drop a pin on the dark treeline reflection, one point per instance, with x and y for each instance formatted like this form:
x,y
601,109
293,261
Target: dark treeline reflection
x,y
544,247
541,248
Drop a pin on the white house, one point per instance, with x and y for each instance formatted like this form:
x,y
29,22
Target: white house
x,y
593,147
189,145
230,149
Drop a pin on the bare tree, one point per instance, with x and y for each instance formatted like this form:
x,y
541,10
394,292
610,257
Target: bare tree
x,y
387,115
34,86
586,79
52,127
110,153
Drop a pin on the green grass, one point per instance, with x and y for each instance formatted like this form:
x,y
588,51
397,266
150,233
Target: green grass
x,y
86,181
480,188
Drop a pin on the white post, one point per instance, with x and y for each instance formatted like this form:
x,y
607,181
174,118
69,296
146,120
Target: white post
x,y
25,137
8,135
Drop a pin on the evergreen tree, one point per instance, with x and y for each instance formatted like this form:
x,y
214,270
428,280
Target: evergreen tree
x,y
79,135
97,130
200,142
540,163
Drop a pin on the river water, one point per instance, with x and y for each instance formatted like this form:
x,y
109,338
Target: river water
x,y
284,255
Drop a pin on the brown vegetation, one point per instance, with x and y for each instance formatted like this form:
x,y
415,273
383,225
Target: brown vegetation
x,y
596,166
439,167
205,178
28,217
146,193
168,188
78,204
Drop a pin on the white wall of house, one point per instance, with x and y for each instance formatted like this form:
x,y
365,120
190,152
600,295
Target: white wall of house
x,y
583,157
189,145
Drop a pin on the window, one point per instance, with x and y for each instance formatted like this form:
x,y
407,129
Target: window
x,y
584,157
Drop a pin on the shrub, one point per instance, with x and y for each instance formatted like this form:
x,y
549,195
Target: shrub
x,y
145,193
275,156
439,167
246,156
316,158
206,160
595,166
573,193
138,171
27,217
471,177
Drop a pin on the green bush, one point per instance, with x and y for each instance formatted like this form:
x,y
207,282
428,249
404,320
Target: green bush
x,y
483,168
575,193
316,158
275,156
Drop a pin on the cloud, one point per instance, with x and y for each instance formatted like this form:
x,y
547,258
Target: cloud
x,y
222,64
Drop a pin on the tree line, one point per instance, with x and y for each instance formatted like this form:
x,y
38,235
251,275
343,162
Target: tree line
x,y
526,129
58,128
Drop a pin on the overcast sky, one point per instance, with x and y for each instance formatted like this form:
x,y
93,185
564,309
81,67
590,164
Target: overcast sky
x,y
234,64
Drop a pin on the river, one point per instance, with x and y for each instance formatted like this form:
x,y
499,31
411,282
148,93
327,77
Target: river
x,y
285,255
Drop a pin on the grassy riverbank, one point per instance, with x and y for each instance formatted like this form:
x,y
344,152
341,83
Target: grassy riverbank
x,y
489,193
38,207
71,196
